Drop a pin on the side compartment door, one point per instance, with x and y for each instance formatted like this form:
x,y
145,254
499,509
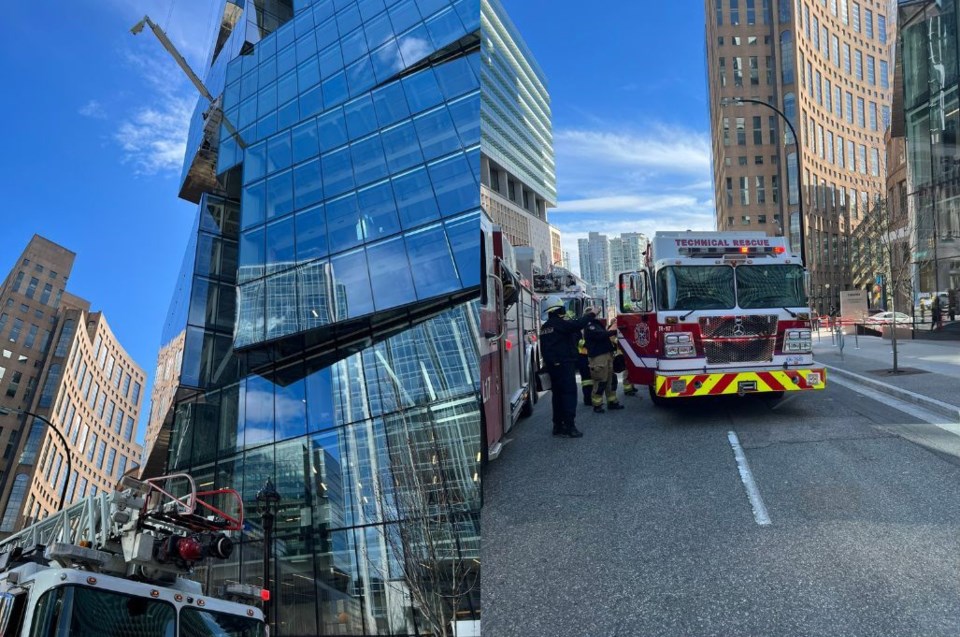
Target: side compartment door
x,y
637,325
491,343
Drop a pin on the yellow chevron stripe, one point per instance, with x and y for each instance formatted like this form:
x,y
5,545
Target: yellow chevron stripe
x,y
707,389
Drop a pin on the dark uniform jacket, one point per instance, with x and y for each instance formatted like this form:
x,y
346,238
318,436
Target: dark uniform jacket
x,y
559,337
597,337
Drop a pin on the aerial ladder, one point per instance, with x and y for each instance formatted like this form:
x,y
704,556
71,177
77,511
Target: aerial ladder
x,y
131,552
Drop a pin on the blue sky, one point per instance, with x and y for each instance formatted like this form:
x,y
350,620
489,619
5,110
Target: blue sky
x,y
94,135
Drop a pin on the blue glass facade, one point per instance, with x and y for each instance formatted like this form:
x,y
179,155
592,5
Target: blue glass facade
x,y
324,332
361,186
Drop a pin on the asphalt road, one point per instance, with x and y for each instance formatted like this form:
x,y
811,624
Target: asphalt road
x,y
643,527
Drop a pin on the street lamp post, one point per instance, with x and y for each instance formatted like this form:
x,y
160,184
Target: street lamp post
x,y
66,448
267,501
796,142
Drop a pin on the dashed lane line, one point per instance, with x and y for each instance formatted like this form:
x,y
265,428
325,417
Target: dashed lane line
x,y
746,476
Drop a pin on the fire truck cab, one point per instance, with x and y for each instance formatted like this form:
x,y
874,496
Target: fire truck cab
x,y
717,313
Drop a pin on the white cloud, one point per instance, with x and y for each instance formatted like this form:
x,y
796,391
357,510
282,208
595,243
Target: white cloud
x,y
615,179
154,138
93,109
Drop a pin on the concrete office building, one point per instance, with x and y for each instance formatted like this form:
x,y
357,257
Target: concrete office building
x,y
325,325
826,66
626,252
62,362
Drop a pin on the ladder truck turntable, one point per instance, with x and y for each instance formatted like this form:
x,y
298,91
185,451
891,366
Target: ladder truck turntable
x,y
114,565
717,313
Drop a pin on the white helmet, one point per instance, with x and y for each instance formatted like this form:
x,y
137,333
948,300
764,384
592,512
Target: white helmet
x,y
553,303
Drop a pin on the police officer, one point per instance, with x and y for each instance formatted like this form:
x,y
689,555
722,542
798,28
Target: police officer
x,y
600,349
558,345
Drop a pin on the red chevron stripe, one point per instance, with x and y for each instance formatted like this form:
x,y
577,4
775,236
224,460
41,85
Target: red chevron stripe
x,y
771,380
723,384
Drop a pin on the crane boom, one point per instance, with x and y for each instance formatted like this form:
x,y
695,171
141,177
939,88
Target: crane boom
x,y
182,63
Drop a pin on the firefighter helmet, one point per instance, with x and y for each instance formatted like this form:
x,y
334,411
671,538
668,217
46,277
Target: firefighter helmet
x,y
554,303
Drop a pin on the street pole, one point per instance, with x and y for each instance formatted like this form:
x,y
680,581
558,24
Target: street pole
x,y
796,143
267,499
66,448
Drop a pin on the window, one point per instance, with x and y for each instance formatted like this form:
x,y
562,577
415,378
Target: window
x,y
737,71
868,22
847,67
742,160
15,501
848,103
729,190
816,33
100,453
757,133
784,12
111,459
874,162
840,160
884,76
15,330
844,15
734,12
806,19
745,220
66,336
775,188
720,15
741,132
45,295
32,288
726,131
14,384
829,147
837,101
855,10
754,71
835,47
786,57
744,191
128,429
121,467
818,88
871,71
126,385
31,336
882,28
862,158
861,118
17,282
758,159
723,77
761,190
93,448
770,69
751,12
858,64
874,125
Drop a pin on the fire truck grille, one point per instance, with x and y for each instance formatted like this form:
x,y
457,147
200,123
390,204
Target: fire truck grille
x,y
754,350
739,339
738,326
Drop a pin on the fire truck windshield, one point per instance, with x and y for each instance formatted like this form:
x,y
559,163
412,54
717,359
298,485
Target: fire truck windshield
x,y
80,611
574,308
696,288
760,286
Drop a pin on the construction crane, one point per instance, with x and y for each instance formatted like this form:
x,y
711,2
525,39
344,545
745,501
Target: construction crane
x,y
114,564
182,63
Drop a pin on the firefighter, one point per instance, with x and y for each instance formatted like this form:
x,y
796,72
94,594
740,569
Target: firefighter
x,y
558,345
583,367
600,350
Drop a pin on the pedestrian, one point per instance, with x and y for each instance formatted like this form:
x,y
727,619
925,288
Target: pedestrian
x,y
600,349
935,313
559,336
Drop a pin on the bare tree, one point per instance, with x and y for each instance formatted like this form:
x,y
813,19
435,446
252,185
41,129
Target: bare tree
x,y
883,248
425,503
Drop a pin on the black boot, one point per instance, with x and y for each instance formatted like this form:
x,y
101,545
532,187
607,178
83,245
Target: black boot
x,y
614,406
598,409
573,432
558,429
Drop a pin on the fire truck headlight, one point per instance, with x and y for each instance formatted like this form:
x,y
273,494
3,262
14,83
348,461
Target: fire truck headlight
x,y
673,350
799,341
679,345
673,338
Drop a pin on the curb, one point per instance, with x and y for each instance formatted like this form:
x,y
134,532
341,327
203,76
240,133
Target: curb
x,y
951,412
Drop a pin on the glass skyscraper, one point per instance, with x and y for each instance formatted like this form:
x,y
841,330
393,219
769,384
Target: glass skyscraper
x,y
324,331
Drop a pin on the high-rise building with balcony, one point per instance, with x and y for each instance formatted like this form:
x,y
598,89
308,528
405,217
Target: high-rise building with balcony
x,y
826,66
62,362
324,333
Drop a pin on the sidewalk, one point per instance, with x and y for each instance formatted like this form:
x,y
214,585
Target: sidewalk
x,y
932,368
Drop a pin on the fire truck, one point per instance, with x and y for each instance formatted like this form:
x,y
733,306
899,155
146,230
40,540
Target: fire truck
x,y
572,290
114,565
717,313
509,340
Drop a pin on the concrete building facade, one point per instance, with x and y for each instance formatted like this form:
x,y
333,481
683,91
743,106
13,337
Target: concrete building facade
x,y
826,66
63,363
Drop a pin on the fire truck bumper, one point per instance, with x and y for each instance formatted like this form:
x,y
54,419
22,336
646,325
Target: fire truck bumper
x,y
739,382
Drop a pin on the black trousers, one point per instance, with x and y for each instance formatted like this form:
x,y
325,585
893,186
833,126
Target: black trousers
x,y
563,381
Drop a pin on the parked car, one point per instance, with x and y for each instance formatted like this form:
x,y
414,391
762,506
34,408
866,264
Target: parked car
x,y
888,318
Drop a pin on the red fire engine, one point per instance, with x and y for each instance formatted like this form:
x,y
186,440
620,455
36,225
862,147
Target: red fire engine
x,y
509,347
717,313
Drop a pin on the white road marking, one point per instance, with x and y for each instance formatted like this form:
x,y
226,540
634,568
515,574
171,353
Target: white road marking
x,y
900,405
753,493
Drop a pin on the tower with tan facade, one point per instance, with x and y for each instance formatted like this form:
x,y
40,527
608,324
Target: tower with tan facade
x,y
62,362
825,65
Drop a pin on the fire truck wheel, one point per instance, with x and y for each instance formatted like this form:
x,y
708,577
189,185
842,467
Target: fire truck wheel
x,y
527,410
657,400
